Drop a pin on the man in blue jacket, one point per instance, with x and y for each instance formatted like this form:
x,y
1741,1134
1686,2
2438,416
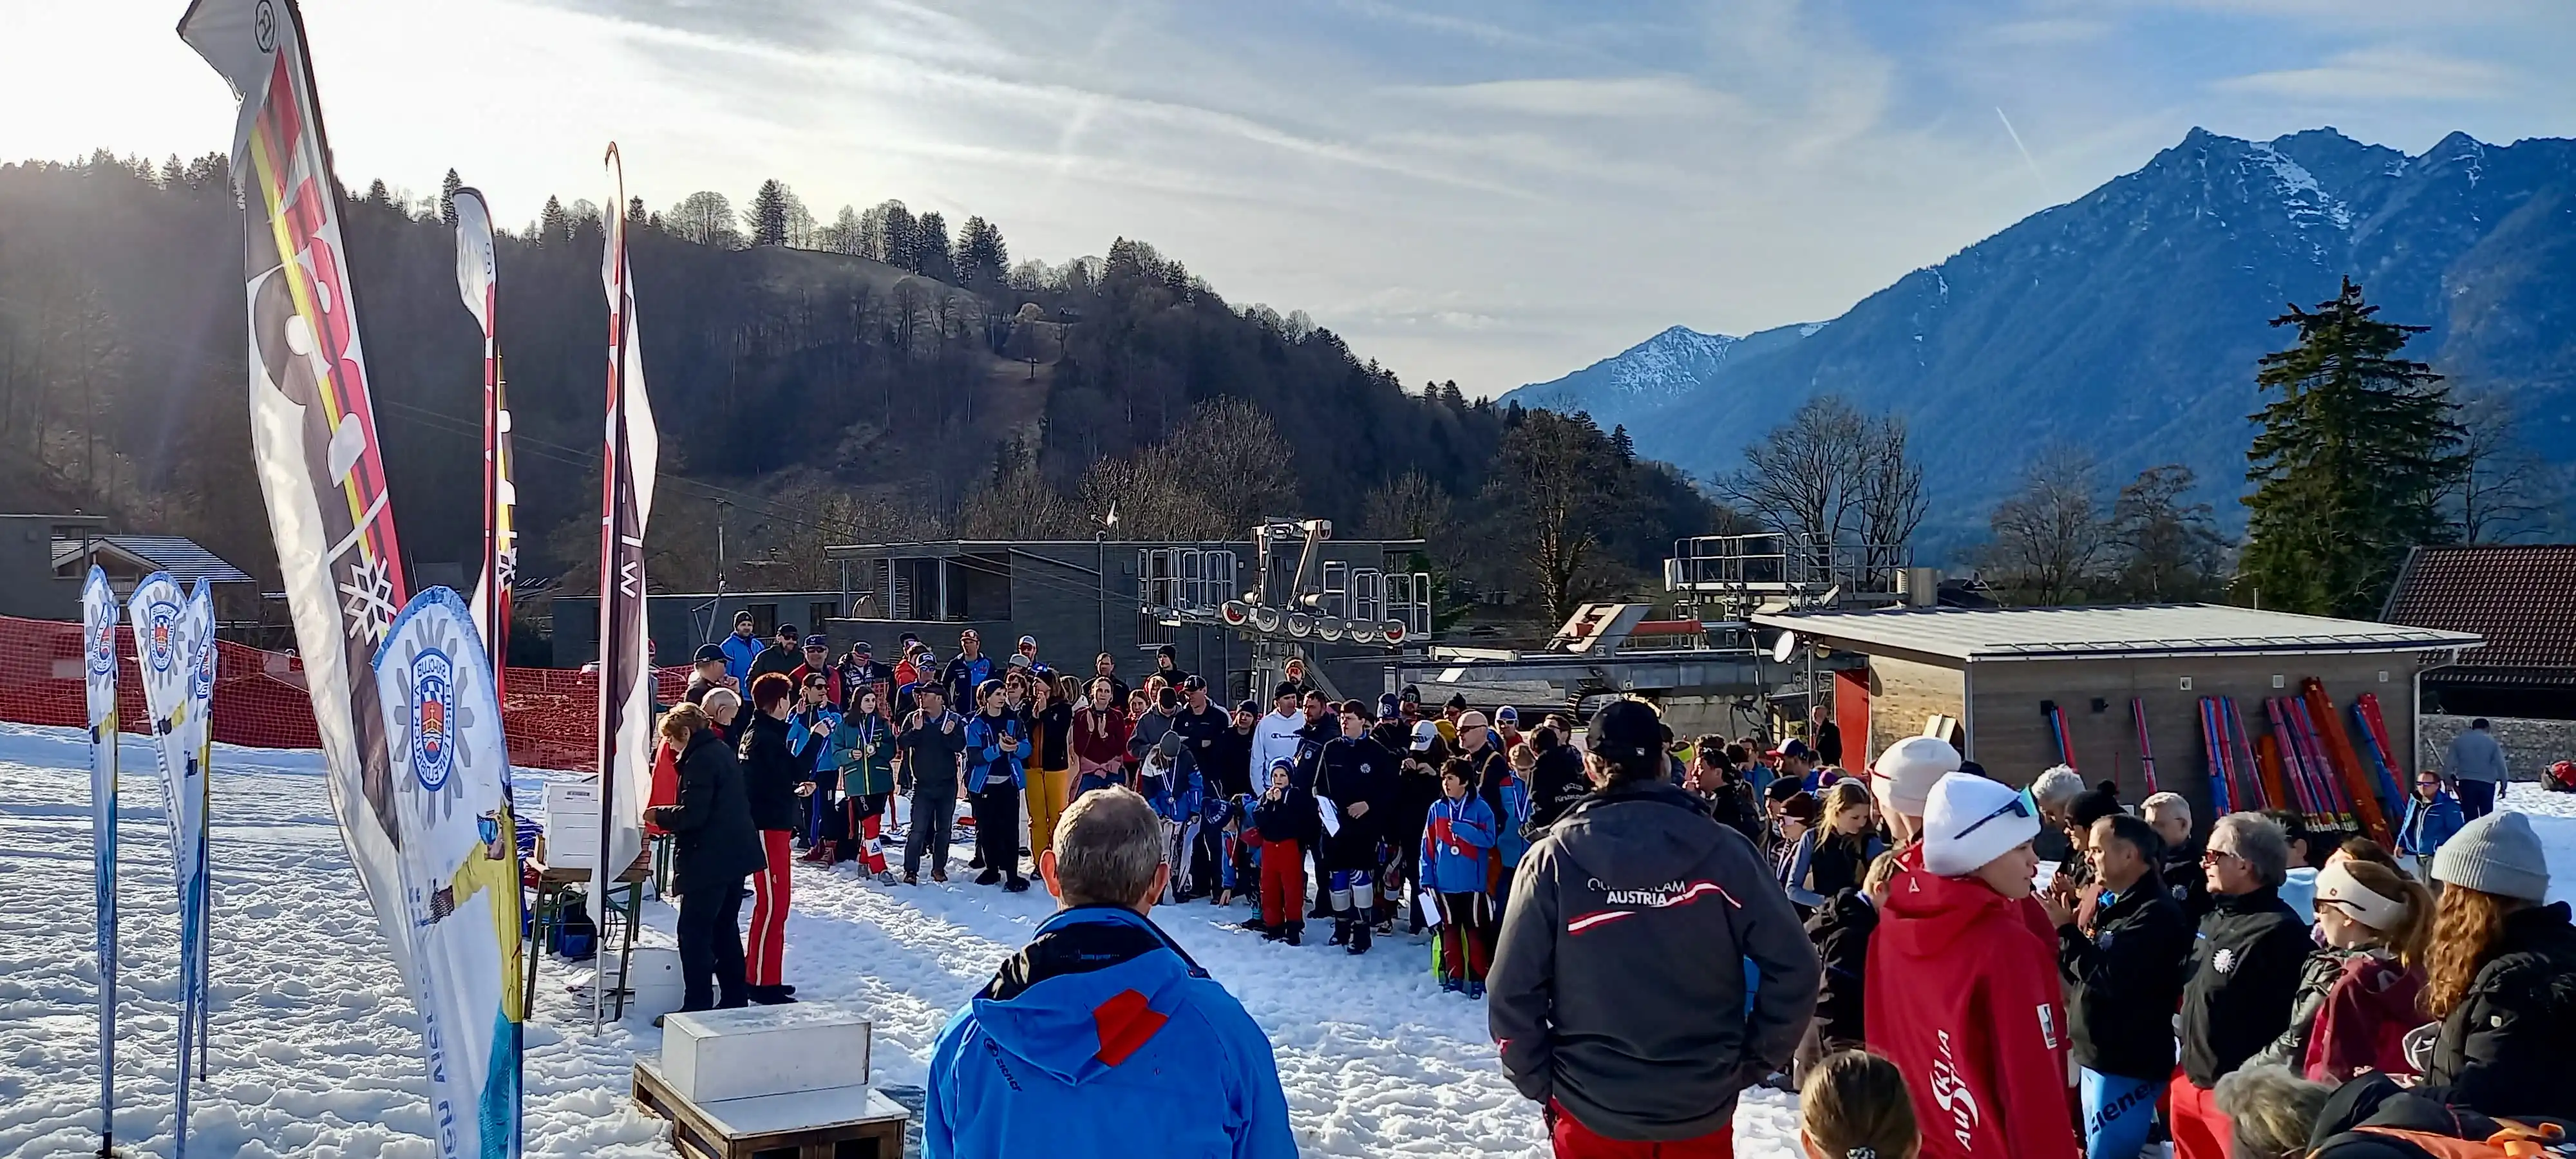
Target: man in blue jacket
x,y
740,649
1102,1038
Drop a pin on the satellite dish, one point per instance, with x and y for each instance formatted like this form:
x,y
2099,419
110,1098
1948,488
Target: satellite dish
x,y
1785,647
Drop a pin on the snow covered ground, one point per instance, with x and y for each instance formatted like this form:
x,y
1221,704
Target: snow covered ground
x,y
316,1048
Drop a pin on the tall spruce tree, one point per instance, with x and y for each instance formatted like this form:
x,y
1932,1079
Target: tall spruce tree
x,y
769,213
447,187
2349,465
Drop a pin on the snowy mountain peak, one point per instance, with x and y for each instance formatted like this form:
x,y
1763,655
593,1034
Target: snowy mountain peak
x,y
2307,201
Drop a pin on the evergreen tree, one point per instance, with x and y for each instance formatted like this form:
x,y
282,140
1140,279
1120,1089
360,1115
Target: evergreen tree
x,y
982,257
768,215
554,224
1626,446
171,175
635,215
2349,465
377,194
447,187
930,248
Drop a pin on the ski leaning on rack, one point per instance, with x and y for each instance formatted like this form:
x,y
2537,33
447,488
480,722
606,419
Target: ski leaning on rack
x,y
2146,751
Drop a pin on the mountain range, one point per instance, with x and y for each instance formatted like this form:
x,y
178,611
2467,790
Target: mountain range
x,y
2129,321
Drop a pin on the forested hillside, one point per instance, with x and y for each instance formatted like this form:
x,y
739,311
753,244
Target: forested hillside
x,y
874,377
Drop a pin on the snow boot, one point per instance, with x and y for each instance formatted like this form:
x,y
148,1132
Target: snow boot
x,y
1254,923
1277,933
1360,931
988,877
1296,933
769,996
1016,884
1341,932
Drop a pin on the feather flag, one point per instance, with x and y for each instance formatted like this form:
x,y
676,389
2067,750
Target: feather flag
x,y
477,281
459,869
174,643
99,615
633,452
313,429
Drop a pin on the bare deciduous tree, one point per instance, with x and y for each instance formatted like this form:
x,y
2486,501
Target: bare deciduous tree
x,y
2048,536
1555,502
1229,452
2502,490
2168,547
1891,496
704,217
1803,479
1409,506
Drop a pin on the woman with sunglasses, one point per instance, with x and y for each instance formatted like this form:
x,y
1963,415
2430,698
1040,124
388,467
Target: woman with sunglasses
x,y
2432,817
1962,990
2243,975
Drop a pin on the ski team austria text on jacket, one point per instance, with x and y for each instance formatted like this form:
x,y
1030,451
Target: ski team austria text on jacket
x,y
1456,840
1101,1039
1963,996
1631,881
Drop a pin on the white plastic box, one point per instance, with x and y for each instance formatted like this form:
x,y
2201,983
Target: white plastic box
x,y
572,824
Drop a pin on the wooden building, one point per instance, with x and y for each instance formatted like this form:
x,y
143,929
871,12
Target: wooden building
x,y
1993,670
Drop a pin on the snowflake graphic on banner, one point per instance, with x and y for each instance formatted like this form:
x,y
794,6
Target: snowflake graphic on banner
x,y
370,589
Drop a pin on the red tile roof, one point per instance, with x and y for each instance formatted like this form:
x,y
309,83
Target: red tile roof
x,y
2521,597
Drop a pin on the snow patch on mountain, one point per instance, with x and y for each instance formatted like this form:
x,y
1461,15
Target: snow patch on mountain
x,y
1667,363
2307,201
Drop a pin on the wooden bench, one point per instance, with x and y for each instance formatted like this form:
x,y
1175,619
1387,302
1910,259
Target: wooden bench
x,y
839,1123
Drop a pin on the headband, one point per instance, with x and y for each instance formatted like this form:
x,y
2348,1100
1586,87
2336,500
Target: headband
x,y
2337,886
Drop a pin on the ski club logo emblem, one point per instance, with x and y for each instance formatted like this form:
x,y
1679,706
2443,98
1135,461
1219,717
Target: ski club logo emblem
x,y
2224,961
102,649
433,707
161,629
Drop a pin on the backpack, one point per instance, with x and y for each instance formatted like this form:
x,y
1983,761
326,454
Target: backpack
x,y
574,937
2512,1140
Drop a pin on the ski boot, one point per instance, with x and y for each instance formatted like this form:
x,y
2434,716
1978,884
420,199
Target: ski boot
x,y
1360,935
1341,932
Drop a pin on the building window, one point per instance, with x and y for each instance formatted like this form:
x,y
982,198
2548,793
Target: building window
x,y
764,619
819,611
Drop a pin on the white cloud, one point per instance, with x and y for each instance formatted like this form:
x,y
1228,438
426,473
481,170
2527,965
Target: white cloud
x,y
2388,73
1619,96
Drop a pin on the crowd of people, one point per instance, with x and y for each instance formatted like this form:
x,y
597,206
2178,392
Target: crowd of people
x,y
1901,953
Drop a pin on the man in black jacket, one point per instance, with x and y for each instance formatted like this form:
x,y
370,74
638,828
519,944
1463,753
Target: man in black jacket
x,y
1556,782
782,656
1202,726
1358,777
2243,974
714,848
1598,1020
2123,981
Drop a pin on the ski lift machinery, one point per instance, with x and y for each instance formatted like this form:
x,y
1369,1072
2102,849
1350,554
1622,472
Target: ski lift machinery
x,y
1294,600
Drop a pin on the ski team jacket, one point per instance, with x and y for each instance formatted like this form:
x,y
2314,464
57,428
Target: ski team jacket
x,y
863,749
2503,1049
739,652
1103,1040
809,736
2124,983
2244,974
964,676
2428,825
770,772
988,755
1963,997
1356,770
1174,790
1600,996
1456,840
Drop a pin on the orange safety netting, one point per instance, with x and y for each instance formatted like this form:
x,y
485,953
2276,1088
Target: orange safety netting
x,y
550,714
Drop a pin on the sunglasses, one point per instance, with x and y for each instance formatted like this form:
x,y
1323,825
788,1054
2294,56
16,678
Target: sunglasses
x,y
2021,805
2208,856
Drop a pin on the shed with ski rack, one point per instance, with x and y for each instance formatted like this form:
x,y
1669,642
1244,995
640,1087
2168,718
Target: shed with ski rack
x,y
2233,707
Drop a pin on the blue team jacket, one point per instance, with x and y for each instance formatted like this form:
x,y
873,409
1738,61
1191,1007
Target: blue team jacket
x,y
985,757
1101,1040
1456,839
739,653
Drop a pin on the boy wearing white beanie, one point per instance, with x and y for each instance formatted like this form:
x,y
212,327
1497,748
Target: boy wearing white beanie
x,y
1962,991
1903,778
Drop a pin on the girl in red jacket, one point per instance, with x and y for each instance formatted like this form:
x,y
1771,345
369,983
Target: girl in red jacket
x,y
1962,990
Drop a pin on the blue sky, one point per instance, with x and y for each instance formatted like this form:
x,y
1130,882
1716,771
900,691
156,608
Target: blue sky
x,y
1495,192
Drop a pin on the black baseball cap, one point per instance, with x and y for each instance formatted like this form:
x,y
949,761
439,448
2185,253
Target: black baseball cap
x,y
1625,728
708,654
785,630
863,648
1195,683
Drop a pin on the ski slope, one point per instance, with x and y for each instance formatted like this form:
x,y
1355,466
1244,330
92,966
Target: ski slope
x,y
316,1049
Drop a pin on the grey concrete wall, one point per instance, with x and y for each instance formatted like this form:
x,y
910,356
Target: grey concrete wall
x,y
28,586
2529,745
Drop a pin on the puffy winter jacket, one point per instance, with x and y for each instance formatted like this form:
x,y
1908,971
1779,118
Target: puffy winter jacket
x,y
809,735
1102,1039
2317,977
2363,1024
1593,1000
1457,839
2124,982
1050,747
739,652
1841,930
2504,1048
770,772
715,844
995,748
2245,968
1963,996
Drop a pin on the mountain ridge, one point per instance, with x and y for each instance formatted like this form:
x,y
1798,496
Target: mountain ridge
x,y
2128,321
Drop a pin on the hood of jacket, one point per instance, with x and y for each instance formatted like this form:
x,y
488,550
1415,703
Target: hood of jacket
x,y
1637,835
1095,985
1928,914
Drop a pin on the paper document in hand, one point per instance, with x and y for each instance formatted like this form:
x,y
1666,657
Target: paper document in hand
x,y
1331,813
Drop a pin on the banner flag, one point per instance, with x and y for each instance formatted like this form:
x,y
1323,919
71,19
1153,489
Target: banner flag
x,y
626,508
99,616
174,643
477,272
313,429
459,870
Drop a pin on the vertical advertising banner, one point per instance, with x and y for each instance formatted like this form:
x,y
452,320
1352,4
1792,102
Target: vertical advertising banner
x,y
99,615
633,451
459,870
313,427
477,282
174,643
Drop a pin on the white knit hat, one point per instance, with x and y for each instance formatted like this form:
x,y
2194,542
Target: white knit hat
x,y
1970,821
1903,776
